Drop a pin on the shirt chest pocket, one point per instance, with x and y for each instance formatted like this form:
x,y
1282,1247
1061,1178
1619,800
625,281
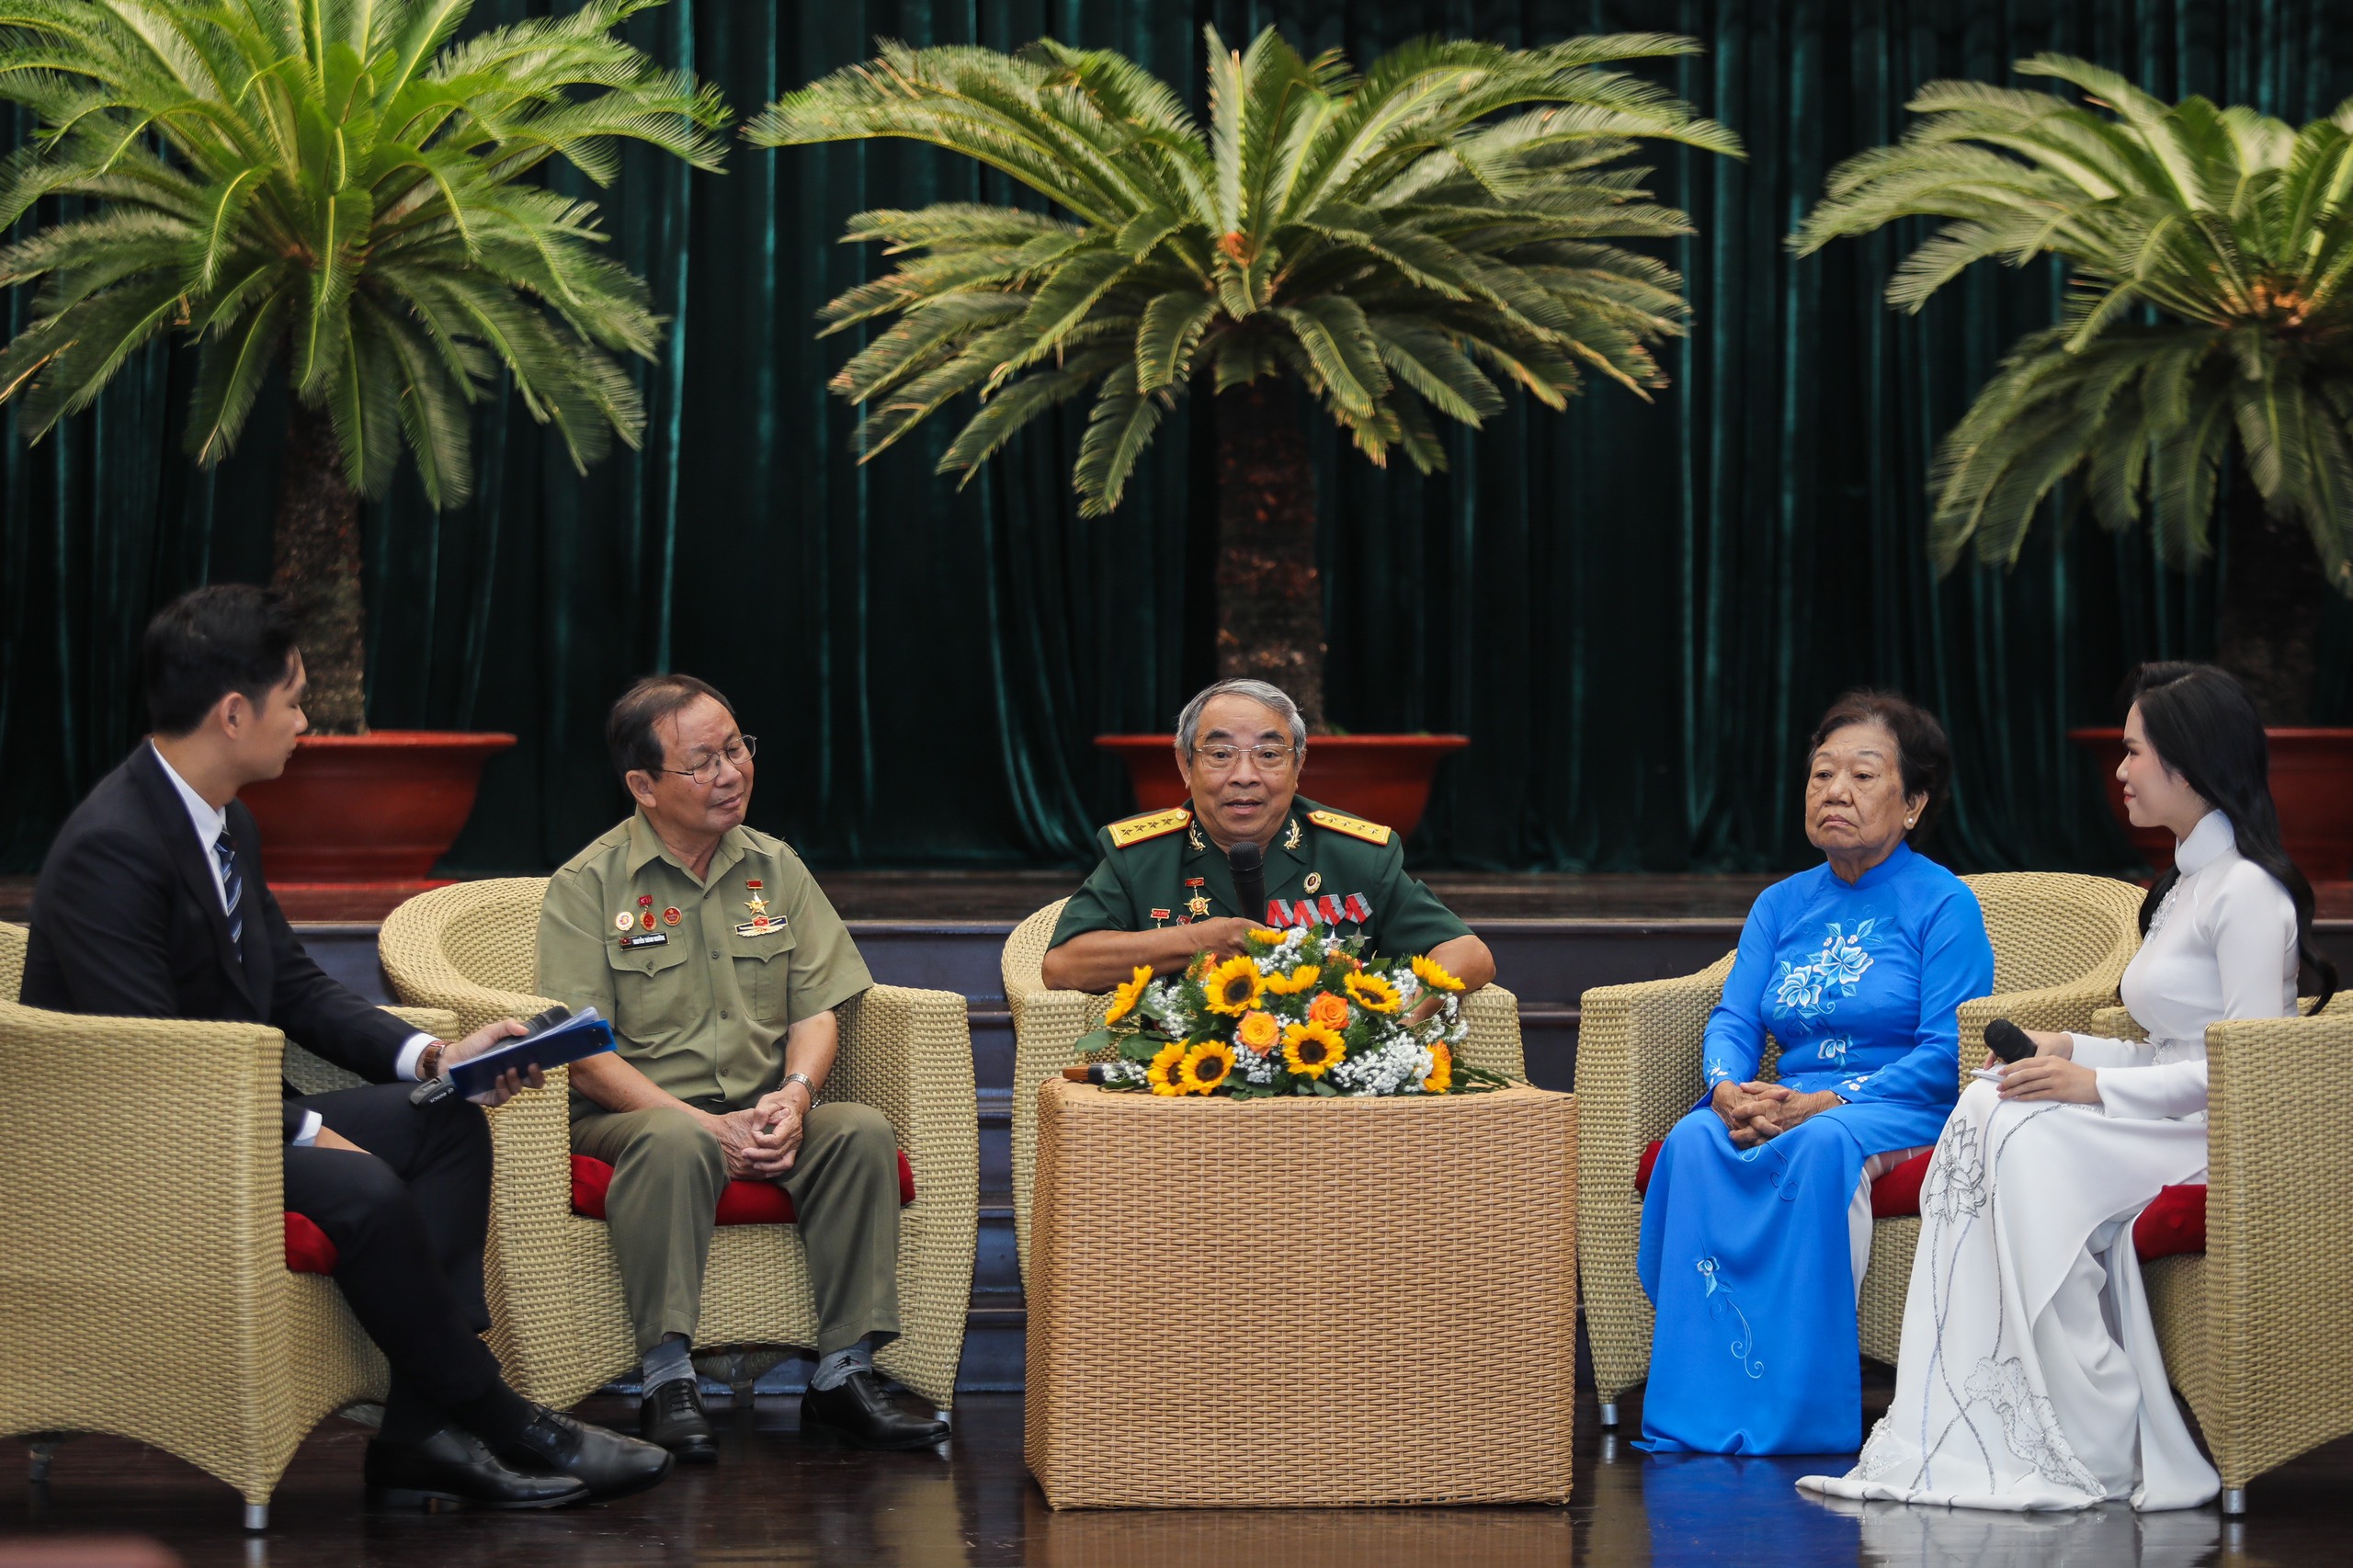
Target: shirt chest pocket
x,y
763,971
651,991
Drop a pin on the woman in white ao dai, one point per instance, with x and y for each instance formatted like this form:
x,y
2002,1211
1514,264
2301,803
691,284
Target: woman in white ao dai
x,y
2030,1376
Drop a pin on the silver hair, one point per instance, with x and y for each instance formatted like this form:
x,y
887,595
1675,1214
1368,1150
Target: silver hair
x,y
1189,723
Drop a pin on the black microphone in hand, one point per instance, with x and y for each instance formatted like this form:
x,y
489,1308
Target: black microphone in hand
x,y
2009,1042
1249,863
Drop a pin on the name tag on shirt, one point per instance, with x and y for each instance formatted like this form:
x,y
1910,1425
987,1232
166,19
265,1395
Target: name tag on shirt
x,y
645,940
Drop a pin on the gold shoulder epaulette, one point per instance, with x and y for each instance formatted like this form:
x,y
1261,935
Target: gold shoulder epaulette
x,y
1355,827
1152,825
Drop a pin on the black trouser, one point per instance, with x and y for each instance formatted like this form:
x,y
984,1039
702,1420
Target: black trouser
x,y
407,1219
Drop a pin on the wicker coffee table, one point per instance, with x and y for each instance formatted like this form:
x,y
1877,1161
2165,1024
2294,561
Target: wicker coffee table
x,y
1301,1303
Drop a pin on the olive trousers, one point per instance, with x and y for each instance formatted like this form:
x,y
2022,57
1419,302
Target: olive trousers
x,y
667,1175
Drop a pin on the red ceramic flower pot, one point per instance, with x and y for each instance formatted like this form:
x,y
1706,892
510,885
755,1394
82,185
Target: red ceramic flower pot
x,y
1383,779
2311,783
383,807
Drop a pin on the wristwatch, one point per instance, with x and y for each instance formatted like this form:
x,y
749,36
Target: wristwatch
x,y
429,1061
805,1081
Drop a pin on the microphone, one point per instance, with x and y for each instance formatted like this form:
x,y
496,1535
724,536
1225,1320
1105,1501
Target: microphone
x,y
1249,863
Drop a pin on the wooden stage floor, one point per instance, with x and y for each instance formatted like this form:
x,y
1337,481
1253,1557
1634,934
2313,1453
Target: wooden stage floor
x,y
775,1498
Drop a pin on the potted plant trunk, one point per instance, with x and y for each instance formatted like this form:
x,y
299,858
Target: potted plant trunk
x,y
1403,244
341,195
2207,330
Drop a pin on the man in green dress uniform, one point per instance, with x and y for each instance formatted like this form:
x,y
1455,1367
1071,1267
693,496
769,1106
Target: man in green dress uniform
x,y
718,962
1166,889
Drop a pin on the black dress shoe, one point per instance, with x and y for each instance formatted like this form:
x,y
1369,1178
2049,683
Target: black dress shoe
x,y
672,1416
454,1466
609,1464
858,1409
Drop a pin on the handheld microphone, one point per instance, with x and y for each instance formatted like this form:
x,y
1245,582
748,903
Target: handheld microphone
x,y
1249,863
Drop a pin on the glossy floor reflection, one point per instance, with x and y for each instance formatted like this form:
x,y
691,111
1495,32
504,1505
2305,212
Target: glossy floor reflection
x,y
777,1498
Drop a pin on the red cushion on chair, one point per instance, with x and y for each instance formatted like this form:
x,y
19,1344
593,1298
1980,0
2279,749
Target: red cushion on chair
x,y
2173,1224
308,1251
1649,1163
739,1202
1896,1195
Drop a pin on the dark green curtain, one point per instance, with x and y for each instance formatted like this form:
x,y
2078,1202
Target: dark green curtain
x,y
1633,609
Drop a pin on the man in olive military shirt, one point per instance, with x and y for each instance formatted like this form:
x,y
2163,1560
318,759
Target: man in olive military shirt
x,y
718,962
1165,890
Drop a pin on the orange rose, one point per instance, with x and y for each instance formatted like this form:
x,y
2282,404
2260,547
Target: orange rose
x,y
1328,1010
1259,1031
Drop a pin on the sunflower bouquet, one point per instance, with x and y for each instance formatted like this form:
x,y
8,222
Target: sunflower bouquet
x,y
1302,1012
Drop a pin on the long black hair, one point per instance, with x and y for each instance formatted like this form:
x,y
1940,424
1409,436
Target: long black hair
x,y
2204,728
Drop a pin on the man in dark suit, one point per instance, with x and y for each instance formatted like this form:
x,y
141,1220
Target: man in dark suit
x,y
152,904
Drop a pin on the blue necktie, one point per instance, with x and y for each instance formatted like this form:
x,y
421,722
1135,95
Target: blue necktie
x,y
232,888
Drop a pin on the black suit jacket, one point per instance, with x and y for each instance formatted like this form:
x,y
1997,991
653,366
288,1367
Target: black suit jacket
x,y
127,922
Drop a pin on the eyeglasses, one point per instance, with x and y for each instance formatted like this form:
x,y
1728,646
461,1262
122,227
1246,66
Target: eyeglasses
x,y
1221,760
739,751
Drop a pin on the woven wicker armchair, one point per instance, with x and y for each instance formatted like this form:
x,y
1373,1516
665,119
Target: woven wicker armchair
x,y
2059,945
1047,1024
143,1290
558,1322
2257,1330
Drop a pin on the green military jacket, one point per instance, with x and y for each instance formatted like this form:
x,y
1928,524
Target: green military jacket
x,y
1160,869
699,980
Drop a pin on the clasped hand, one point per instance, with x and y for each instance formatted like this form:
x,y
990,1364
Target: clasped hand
x,y
761,1143
1754,1112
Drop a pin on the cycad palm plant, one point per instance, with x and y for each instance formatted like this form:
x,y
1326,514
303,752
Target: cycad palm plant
x,y
333,188
2210,251
1399,242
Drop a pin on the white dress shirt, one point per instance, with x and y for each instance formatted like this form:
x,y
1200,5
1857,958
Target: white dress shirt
x,y
2222,945
210,822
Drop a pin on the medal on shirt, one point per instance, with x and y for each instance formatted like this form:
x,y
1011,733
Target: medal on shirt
x,y
1200,903
759,924
645,907
1158,916
672,915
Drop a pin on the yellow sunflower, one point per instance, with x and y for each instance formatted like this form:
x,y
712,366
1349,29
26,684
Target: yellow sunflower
x,y
1264,937
1312,1049
1124,1000
1435,976
1259,1031
1233,987
1328,1010
1441,1076
1166,1073
1373,993
1207,1065
1303,978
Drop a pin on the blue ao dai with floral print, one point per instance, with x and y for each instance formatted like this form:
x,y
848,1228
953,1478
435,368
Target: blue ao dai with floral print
x,y
1745,1253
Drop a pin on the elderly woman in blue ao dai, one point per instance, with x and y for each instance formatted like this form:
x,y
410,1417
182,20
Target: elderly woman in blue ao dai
x,y
1756,1227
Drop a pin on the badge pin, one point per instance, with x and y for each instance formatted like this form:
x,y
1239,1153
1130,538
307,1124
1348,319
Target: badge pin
x,y
646,920
624,920
1157,916
1193,837
756,904
671,916
646,900
1199,905
1314,881
1291,840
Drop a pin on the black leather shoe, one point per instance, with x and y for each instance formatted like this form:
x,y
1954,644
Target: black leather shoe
x,y
609,1464
453,1466
672,1416
858,1409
